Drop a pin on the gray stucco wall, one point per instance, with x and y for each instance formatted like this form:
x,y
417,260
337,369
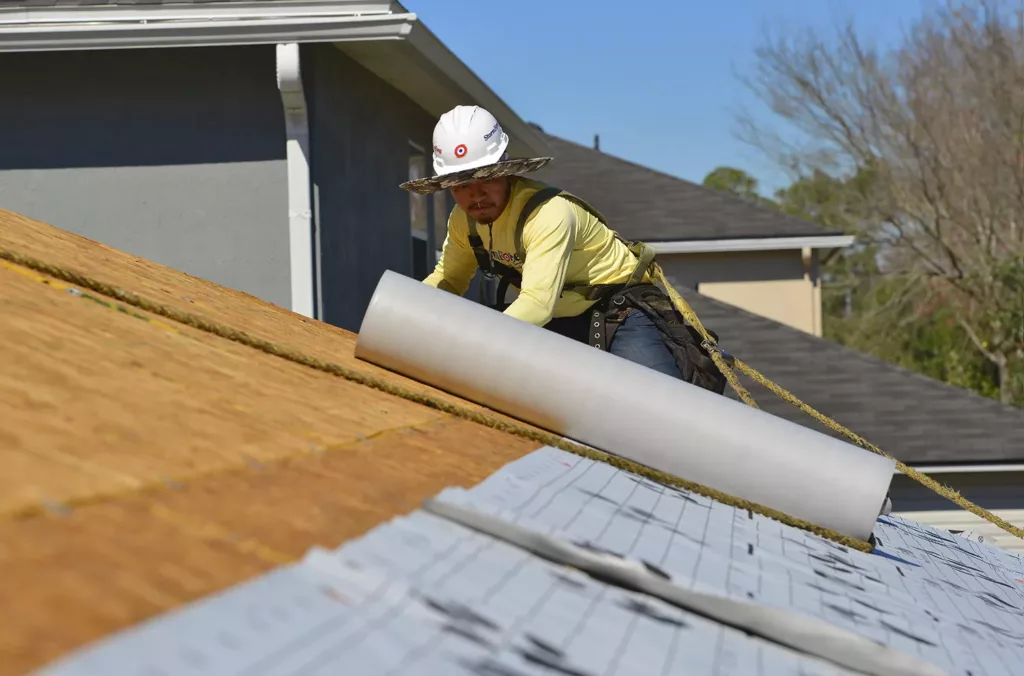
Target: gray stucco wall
x,y
175,155
360,129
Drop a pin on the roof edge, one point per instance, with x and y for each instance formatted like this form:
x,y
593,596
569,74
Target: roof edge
x,y
753,244
129,27
35,29
37,14
723,196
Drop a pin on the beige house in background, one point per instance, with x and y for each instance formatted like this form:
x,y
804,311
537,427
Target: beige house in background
x,y
775,277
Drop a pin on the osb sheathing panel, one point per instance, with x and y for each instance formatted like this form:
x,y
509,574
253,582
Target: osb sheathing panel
x,y
99,401
171,287
191,462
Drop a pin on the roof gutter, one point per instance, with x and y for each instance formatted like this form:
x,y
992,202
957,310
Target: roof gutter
x,y
125,27
302,253
753,244
57,13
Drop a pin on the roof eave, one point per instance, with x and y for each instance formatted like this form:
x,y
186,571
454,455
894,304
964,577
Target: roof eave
x,y
115,32
753,244
62,13
351,24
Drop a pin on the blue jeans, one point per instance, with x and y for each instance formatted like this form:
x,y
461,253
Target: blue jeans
x,y
638,340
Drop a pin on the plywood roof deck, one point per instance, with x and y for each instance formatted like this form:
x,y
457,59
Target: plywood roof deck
x,y
189,462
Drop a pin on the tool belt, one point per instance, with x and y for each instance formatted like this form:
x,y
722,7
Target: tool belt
x,y
684,342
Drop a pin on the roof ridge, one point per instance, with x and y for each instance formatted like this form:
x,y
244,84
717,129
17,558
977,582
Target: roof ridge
x,y
726,198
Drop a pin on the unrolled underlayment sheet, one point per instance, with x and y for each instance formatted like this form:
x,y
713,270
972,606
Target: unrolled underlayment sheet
x,y
621,407
421,595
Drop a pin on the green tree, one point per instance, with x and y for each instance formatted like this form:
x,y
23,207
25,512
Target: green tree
x,y
898,315
734,181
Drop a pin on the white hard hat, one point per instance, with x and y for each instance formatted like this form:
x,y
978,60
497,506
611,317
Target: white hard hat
x,y
469,145
467,137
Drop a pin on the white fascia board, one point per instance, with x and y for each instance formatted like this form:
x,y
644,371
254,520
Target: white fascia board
x,y
753,244
433,50
262,9
967,469
202,32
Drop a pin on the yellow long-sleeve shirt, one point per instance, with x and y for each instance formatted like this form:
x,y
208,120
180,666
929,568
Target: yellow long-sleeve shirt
x,y
565,245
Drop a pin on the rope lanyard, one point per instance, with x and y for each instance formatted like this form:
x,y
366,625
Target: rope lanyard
x,y
530,433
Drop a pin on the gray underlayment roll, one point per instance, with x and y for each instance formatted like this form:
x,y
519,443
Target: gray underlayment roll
x,y
620,407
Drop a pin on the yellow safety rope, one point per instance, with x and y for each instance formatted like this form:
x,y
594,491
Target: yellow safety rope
x,y
455,410
945,491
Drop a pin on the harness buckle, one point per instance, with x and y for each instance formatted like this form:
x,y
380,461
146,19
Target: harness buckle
x,y
711,346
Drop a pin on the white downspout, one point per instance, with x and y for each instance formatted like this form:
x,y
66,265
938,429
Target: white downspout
x,y
300,231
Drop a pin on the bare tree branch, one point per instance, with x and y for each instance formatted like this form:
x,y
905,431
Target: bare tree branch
x,y
939,121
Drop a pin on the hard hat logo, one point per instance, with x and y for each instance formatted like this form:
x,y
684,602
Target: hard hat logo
x,y
479,151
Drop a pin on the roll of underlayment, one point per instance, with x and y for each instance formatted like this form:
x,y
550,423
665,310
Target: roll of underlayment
x,y
620,407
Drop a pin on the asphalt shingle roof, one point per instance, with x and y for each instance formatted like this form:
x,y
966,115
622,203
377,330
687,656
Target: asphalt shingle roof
x,y
915,418
645,204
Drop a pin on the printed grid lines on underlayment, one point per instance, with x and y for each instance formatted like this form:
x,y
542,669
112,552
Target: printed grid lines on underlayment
x,y
423,595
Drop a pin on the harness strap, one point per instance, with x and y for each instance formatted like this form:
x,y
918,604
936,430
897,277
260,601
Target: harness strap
x,y
509,275
536,199
489,266
643,252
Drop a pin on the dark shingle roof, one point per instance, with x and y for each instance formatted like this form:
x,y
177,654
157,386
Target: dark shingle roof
x,y
915,418
645,204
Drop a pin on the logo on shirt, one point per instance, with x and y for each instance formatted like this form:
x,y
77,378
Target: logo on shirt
x,y
506,258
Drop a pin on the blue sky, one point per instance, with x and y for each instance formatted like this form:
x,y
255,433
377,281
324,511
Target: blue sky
x,y
655,79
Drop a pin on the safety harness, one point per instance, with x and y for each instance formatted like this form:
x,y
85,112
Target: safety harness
x,y
508,275
613,301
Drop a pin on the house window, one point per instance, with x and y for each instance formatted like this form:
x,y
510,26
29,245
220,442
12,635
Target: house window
x,y
418,214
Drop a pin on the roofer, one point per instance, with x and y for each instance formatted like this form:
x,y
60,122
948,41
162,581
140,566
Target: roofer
x,y
574,275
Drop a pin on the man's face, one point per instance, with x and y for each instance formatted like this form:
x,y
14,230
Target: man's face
x,y
483,200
